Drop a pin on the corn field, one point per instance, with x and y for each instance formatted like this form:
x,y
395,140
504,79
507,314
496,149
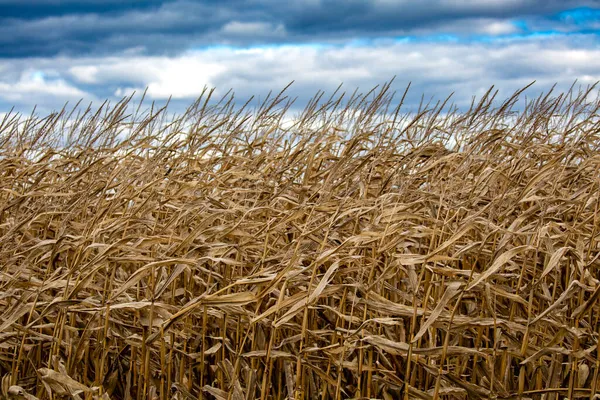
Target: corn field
x,y
350,250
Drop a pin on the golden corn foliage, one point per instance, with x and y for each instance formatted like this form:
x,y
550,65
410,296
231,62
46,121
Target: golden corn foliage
x,y
355,252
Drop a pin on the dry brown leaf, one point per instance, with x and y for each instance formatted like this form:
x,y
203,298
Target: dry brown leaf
x,y
497,264
452,289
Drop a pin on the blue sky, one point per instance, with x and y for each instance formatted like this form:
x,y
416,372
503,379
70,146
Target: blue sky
x,y
54,51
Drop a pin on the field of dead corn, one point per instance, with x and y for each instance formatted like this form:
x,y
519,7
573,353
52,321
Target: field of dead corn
x,y
348,251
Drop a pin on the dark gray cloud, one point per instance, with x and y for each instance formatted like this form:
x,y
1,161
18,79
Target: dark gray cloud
x,y
52,27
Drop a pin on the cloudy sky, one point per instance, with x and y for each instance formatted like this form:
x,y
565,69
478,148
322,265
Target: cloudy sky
x,y
54,51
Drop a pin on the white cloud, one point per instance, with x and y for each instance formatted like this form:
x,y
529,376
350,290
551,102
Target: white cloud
x,y
85,73
134,69
498,28
434,68
33,85
184,76
472,27
253,29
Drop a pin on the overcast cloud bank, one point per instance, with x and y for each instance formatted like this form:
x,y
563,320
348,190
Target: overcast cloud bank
x,y
52,52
